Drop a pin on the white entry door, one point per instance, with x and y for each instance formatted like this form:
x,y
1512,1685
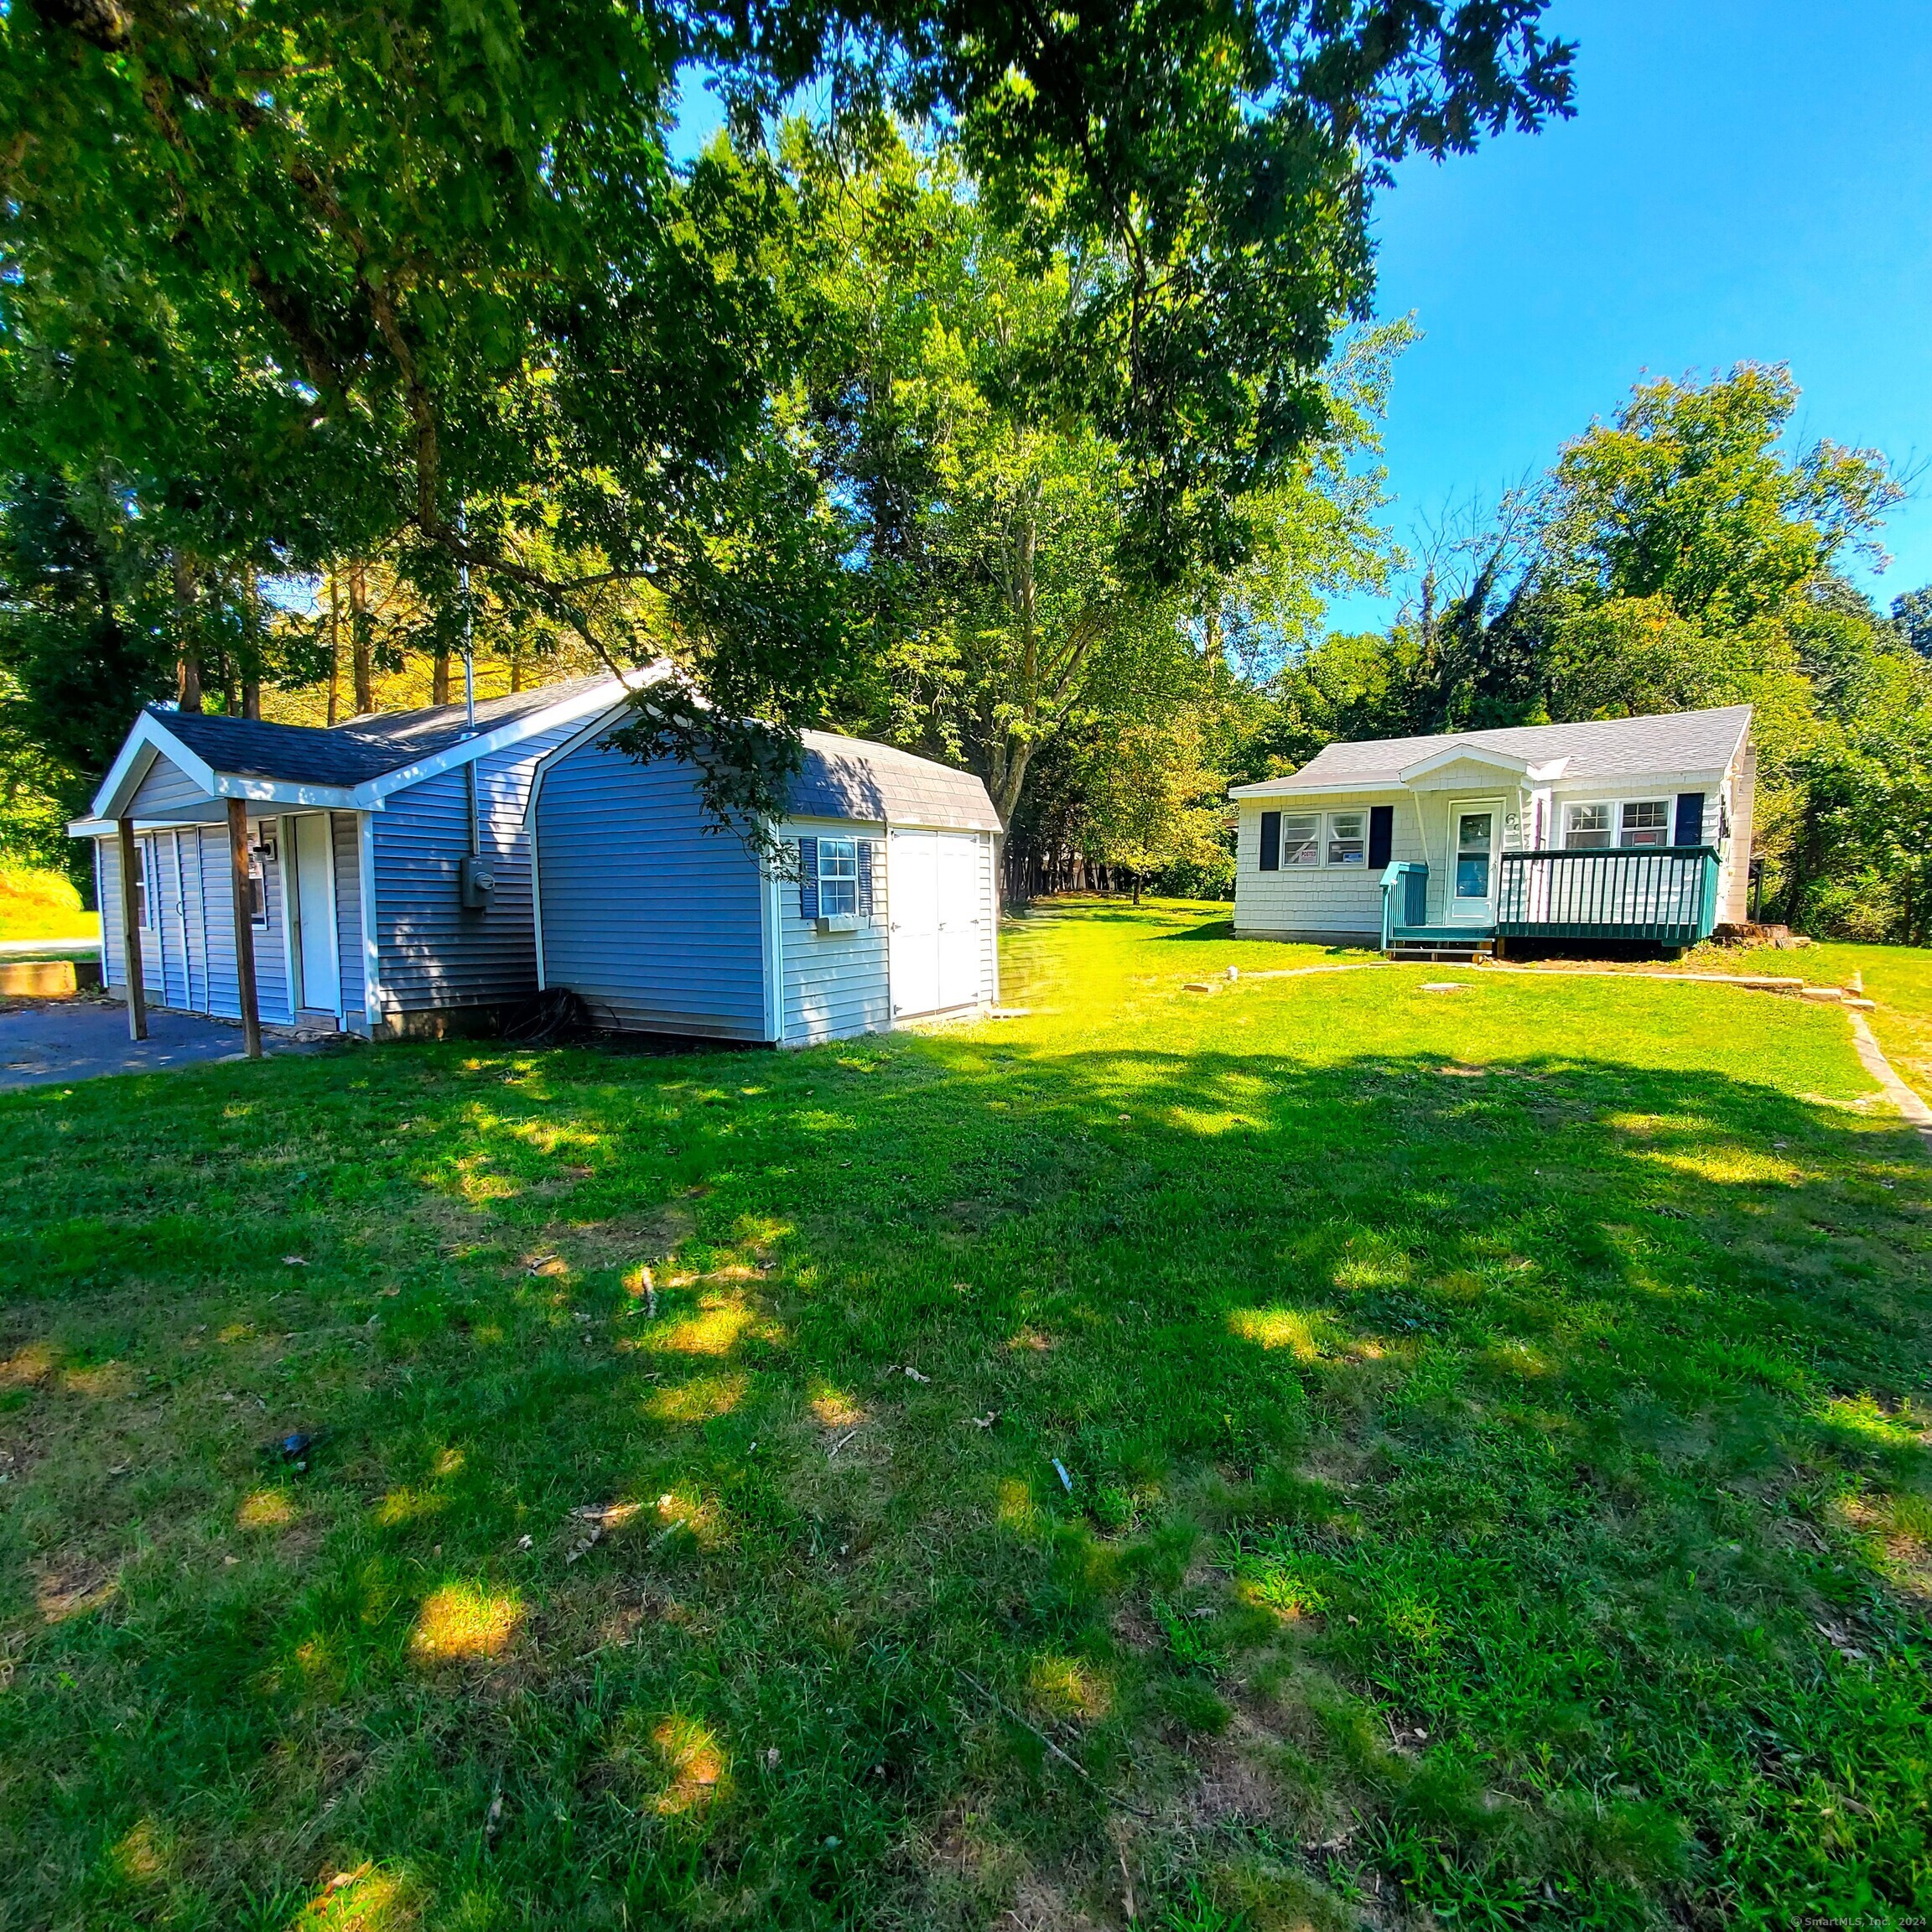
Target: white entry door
x,y
934,899
912,899
958,920
1475,841
315,913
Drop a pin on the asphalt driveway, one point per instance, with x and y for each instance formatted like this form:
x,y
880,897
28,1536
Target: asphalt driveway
x,y
49,1040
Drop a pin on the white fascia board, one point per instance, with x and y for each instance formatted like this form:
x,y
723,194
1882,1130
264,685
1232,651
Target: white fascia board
x,y
149,739
1321,788
283,791
369,796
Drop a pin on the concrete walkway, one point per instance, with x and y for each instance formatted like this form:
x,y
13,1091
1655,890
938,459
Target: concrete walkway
x,y
55,1041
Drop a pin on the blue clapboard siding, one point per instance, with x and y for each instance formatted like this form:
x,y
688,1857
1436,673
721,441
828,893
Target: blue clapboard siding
x,y
835,982
168,792
107,897
348,907
218,902
433,953
649,916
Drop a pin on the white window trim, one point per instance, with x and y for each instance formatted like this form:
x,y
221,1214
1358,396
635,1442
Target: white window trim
x,y
1615,806
1317,841
1360,815
839,879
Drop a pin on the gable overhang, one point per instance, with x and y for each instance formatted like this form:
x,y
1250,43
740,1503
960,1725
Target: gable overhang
x,y
607,717
1504,764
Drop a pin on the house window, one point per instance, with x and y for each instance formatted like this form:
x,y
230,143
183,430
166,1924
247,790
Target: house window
x,y
1585,827
838,878
1346,843
1301,837
258,856
1647,821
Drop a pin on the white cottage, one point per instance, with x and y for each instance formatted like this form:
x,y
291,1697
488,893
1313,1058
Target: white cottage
x,y
887,910
1626,828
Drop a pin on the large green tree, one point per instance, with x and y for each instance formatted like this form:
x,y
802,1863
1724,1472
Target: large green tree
x,y
431,260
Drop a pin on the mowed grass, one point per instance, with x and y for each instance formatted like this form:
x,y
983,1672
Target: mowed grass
x,y
1493,1428
43,906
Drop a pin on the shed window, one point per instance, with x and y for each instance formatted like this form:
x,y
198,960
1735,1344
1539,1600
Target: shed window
x,y
1300,838
1346,844
838,878
1585,827
143,897
1647,821
258,856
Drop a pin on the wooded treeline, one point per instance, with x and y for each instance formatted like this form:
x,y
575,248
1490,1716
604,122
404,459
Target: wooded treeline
x,y
1016,402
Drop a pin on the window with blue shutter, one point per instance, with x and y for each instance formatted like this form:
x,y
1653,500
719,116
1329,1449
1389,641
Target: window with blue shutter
x,y
1381,834
1270,841
866,848
1689,829
807,877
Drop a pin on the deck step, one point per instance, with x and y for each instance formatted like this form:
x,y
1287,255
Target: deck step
x,y
1463,952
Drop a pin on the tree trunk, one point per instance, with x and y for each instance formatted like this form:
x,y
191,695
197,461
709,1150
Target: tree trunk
x,y
361,640
439,674
251,645
188,649
335,647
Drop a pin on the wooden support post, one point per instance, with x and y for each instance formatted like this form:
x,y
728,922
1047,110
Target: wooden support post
x,y
131,935
244,929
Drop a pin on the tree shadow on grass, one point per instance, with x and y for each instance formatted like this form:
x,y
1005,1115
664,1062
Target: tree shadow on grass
x,y
1520,1471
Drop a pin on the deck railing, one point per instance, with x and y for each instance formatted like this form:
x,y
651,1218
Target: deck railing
x,y
1664,894
1405,899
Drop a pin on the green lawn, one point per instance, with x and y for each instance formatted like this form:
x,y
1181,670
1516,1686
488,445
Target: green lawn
x,y
1494,1424
43,906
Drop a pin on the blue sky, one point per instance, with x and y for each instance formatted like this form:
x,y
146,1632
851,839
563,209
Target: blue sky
x,y
1742,182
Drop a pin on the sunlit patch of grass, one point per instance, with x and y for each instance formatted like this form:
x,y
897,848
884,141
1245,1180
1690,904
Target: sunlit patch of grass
x,y
363,1899
1070,1687
717,1329
265,1509
701,1399
698,1517
409,1505
1300,1333
143,1853
836,1410
693,1763
461,1622
1017,1509
107,1382
34,1363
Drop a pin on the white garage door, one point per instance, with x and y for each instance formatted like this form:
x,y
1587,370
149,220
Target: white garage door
x,y
933,889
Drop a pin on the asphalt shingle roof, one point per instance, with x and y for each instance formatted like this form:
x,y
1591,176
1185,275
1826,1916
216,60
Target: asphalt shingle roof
x,y
353,753
853,778
1599,748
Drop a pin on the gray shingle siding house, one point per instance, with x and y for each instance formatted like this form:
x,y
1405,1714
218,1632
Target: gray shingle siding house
x,y
357,835
1615,828
885,909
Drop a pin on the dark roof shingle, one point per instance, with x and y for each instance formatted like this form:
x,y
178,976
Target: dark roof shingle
x,y
350,754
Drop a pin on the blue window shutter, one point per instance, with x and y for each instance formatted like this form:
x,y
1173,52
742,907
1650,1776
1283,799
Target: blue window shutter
x,y
1270,841
865,878
807,877
1381,834
1690,819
